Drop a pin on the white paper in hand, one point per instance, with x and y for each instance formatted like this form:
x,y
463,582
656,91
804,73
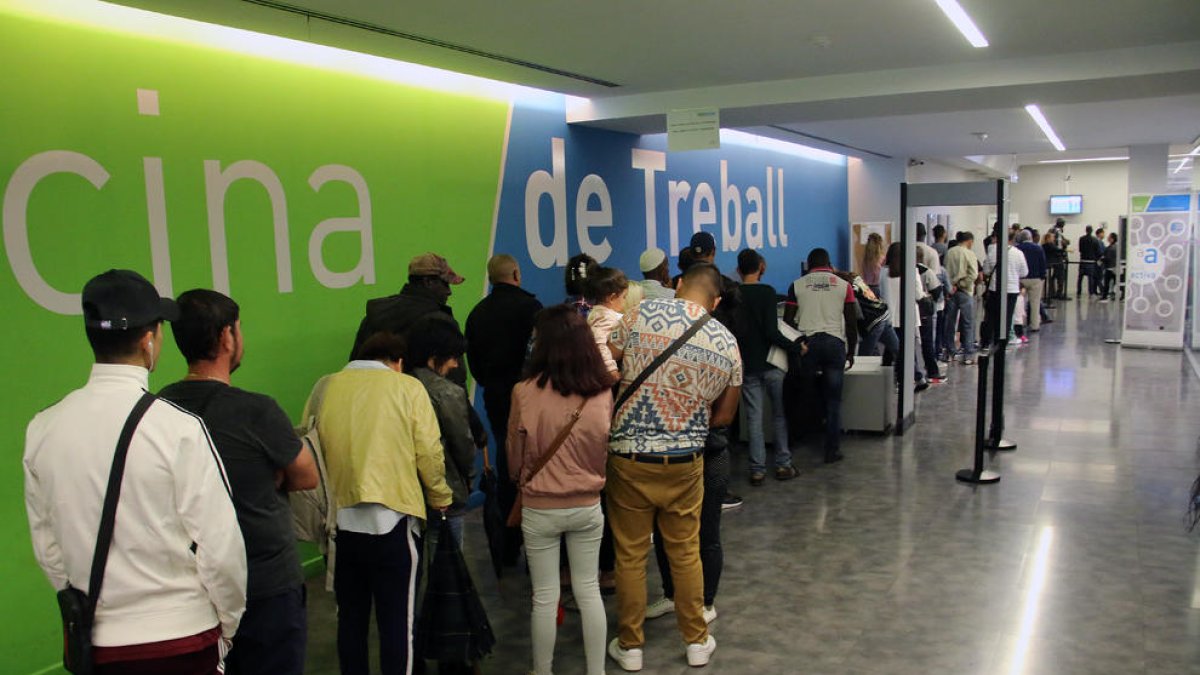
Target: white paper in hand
x,y
776,356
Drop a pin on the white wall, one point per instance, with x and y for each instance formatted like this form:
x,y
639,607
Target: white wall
x,y
1104,186
874,189
973,218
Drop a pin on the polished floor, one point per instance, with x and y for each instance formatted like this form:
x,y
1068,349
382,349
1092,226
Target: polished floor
x,y
1077,561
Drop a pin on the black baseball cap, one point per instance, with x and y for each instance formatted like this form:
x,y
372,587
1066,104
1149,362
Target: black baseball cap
x,y
703,243
123,299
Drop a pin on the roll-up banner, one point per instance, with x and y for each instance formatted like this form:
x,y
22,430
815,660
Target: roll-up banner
x,y
1157,255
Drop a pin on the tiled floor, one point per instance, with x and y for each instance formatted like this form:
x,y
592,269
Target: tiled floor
x,y
1076,562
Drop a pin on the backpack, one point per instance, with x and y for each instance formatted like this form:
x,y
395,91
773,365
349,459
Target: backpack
x,y
312,518
314,515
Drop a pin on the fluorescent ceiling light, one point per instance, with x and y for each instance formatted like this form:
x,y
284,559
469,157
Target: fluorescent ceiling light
x,y
1036,113
962,22
1087,159
1181,165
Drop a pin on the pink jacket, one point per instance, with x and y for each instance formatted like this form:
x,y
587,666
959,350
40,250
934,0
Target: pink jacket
x,y
575,476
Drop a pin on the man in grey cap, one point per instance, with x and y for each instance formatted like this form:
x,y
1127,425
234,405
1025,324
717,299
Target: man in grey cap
x,y
424,296
656,274
174,586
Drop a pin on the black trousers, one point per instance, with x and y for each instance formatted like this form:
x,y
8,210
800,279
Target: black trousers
x,y
272,636
712,556
497,400
993,315
1088,270
380,570
928,353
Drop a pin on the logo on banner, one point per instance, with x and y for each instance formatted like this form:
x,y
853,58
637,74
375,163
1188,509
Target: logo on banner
x,y
1149,265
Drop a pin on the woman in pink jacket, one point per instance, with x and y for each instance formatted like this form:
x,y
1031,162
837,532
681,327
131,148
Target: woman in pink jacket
x,y
566,384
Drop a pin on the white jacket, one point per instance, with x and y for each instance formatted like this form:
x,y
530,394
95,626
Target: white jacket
x,y
174,495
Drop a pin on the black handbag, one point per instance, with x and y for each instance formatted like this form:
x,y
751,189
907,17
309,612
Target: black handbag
x,y
874,312
78,609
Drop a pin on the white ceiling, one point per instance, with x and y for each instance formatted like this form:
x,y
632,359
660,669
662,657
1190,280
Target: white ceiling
x,y
1010,130
893,77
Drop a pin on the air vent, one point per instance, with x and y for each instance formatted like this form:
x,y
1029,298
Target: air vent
x,y
432,42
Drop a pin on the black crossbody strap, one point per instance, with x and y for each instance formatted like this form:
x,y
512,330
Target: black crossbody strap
x,y
108,517
659,360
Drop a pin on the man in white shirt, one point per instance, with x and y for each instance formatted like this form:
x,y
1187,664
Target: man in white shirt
x,y
175,583
656,274
821,305
1016,269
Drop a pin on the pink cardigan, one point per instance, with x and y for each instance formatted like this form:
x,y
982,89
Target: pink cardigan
x,y
575,476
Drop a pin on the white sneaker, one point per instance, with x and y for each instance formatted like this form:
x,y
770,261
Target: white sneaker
x,y
710,613
660,607
699,654
630,660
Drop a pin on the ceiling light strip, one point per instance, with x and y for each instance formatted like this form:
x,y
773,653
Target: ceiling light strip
x,y
1036,113
1086,159
958,16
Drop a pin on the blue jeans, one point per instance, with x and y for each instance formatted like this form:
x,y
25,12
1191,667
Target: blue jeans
x,y
433,533
756,386
960,313
826,360
883,334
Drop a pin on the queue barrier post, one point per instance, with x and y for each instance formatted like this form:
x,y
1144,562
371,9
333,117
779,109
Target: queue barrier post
x,y
978,475
996,440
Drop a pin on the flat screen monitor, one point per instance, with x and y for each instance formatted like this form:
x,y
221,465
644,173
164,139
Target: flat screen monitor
x,y
1066,205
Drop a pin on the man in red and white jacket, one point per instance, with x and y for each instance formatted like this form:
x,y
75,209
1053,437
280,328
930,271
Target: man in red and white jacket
x,y
175,584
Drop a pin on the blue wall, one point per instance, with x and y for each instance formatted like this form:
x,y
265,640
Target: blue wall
x,y
814,200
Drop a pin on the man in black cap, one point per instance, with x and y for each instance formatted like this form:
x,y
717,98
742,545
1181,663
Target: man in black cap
x,y
704,250
174,587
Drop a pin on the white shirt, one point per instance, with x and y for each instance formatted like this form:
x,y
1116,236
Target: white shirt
x,y
174,494
368,517
889,288
654,290
821,298
930,257
1017,268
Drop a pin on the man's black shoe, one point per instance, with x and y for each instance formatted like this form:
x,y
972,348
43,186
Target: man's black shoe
x,y
834,457
731,501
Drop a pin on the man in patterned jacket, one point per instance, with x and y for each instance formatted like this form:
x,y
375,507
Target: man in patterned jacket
x,y
656,461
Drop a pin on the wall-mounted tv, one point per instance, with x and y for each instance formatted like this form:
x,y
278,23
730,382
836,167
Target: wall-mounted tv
x,y
1066,205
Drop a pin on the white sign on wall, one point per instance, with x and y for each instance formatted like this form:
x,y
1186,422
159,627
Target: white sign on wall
x,y
693,129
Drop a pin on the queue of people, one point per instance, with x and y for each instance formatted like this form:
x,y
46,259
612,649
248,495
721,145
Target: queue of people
x,y
611,414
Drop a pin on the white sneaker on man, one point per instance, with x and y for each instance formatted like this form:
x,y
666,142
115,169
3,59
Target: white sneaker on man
x,y
660,607
699,654
630,660
710,613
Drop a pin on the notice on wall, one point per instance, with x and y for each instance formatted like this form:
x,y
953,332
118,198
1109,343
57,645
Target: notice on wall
x,y
693,129
1156,255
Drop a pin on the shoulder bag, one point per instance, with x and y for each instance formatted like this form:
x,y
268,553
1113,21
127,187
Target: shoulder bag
x,y
78,608
514,516
659,360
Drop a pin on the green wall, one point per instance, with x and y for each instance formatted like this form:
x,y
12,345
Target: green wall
x,y
430,161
